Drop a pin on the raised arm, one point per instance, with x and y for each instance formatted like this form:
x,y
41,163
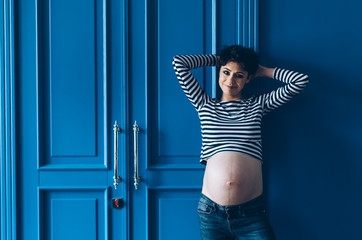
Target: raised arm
x,y
182,65
295,83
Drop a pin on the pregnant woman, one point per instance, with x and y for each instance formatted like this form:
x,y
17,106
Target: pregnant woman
x,y
232,204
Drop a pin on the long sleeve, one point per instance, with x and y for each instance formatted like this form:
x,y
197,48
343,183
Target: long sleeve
x,y
182,65
295,83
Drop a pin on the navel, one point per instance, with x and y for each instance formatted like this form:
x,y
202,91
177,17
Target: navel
x,y
229,184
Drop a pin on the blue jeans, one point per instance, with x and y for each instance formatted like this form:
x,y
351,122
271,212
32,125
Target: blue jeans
x,y
244,221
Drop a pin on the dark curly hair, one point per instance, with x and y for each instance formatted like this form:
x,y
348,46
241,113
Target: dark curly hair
x,y
246,57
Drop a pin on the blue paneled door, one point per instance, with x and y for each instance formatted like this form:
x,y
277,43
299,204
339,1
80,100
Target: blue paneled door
x,y
83,65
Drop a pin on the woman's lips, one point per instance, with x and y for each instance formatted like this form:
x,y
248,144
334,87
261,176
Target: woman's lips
x,y
230,87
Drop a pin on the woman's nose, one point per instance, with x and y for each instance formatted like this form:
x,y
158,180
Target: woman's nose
x,y
229,80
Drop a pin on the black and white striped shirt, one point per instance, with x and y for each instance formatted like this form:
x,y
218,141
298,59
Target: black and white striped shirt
x,y
232,125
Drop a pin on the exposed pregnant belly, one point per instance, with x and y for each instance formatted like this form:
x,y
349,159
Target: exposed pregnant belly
x,y
232,178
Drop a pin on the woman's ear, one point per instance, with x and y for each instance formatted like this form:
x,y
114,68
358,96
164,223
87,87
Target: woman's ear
x,y
250,77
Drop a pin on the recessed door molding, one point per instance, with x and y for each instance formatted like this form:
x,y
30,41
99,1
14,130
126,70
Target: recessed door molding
x,y
8,122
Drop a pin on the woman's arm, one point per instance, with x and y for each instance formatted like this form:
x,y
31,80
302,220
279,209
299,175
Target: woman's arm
x,y
295,83
182,65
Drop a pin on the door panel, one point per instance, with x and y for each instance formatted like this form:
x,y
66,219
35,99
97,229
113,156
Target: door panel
x,y
73,213
173,214
167,198
171,113
73,114
64,111
73,79
72,85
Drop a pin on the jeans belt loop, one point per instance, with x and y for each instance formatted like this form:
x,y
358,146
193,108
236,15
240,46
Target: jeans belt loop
x,y
243,211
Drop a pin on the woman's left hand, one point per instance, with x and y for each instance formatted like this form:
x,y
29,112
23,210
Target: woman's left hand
x,y
264,72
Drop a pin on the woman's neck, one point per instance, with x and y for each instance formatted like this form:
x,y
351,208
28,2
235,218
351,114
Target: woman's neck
x,y
226,98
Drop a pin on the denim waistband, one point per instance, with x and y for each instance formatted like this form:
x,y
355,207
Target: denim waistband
x,y
253,203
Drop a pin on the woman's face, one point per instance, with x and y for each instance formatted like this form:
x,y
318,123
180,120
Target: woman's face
x,y
232,78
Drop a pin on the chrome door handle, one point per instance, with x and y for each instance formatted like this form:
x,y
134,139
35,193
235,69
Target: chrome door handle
x,y
136,178
116,178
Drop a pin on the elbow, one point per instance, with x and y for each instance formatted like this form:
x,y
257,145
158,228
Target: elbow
x,y
301,82
175,59
179,61
306,79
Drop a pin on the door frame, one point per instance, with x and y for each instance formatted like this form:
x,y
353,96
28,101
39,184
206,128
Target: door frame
x,y
8,164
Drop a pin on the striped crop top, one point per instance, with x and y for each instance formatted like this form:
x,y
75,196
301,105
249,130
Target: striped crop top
x,y
232,125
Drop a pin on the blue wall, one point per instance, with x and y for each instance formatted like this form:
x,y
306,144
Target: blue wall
x,y
312,146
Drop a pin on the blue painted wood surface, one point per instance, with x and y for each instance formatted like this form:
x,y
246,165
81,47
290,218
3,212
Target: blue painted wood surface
x,y
8,138
63,110
81,65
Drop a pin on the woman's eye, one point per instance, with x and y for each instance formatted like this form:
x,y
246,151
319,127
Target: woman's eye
x,y
239,76
226,73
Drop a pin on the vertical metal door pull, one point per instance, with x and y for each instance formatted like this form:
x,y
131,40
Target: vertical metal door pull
x,y
116,178
136,178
